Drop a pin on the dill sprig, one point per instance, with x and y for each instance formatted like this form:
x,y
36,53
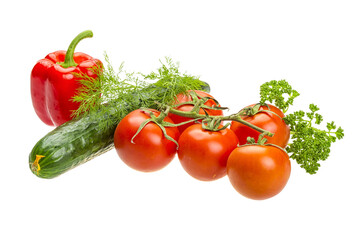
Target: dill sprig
x,y
113,94
309,144
168,76
108,86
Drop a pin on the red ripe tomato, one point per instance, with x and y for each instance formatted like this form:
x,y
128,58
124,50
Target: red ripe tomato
x,y
181,98
150,151
267,121
203,154
258,171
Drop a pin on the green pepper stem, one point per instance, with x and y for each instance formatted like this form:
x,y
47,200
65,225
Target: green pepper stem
x,y
69,57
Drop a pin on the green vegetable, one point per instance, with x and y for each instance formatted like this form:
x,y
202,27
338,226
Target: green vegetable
x,y
91,133
309,144
122,86
274,91
68,146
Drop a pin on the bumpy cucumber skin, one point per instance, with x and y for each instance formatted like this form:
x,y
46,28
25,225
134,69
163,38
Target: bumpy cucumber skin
x,y
76,142
70,145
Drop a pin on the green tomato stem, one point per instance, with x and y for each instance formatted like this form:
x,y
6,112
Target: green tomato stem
x,y
232,117
212,123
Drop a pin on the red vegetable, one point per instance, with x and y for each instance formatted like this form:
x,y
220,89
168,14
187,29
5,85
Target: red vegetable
x,y
53,83
258,171
150,150
182,98
203,153
267,121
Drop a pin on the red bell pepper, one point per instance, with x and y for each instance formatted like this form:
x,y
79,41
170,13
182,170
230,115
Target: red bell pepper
x,y
54,82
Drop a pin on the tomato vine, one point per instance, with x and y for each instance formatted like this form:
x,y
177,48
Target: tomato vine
x,y
308,143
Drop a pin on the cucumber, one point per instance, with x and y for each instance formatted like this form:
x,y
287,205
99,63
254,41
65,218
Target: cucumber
x,y
78,141
69,145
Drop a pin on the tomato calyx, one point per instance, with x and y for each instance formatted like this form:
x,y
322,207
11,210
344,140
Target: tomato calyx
x,y
198,103
214,124
262,142
159,121
253,110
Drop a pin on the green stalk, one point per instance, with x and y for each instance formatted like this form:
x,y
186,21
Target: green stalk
x,y
232,117
69,57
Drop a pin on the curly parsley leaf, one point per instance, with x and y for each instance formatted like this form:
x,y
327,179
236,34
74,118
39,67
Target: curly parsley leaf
x,y
274,91
310,144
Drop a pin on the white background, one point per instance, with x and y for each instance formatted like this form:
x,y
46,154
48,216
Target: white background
x,y
233,45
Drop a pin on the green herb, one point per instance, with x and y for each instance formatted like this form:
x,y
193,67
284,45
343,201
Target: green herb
x,y
309,144
168,76
111,88
274,91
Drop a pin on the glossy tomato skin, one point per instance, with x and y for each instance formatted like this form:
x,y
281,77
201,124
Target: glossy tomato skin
x,y
151,151
267,121
258,172
181,98
203,154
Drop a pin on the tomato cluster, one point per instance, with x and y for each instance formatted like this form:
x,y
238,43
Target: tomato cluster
x,y
257,171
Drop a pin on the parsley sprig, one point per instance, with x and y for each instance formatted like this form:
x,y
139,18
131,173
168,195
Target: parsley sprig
x,y
309,143
274,91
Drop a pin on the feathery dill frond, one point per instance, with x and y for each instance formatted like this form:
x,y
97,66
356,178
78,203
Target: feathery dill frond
x,y
113,94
